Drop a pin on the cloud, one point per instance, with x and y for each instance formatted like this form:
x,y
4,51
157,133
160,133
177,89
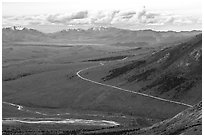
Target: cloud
x,y
128,15
146,17
66,18
105,18
24,20
35,23
181,20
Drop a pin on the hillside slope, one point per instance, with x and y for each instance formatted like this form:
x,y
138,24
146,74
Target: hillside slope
x,y
188,122
173,72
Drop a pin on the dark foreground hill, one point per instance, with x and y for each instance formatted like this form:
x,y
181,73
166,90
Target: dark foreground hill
x,y
187,122
173,72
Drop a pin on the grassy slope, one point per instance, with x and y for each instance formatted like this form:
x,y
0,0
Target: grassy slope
x,y
186,122
173,72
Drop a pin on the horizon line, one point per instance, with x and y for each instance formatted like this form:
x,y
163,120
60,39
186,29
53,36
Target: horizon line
x,y
104,27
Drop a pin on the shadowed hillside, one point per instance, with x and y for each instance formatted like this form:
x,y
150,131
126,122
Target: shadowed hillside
x,y
187,122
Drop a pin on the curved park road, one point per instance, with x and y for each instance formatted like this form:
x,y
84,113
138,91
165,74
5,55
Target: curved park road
x,y
125,90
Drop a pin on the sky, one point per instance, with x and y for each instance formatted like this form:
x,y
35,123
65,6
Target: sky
x,y
51,16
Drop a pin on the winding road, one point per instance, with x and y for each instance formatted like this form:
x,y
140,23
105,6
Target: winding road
x,y
125,90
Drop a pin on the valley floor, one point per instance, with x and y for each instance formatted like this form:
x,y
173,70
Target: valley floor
x,y
43,93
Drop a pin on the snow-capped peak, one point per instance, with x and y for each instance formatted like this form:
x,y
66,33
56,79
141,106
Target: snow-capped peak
x,y
73,29
100,28
16,28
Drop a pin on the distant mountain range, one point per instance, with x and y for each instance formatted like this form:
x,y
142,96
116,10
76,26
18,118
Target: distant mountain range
x,y
22,34
103,35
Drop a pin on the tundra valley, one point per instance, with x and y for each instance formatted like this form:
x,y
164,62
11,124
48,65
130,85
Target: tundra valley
x,y
102,80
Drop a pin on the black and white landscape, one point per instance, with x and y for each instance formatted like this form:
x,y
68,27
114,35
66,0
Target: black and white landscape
x,y
102,72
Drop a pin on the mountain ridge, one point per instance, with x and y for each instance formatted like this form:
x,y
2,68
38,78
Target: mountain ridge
x,y
100,35
97,28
